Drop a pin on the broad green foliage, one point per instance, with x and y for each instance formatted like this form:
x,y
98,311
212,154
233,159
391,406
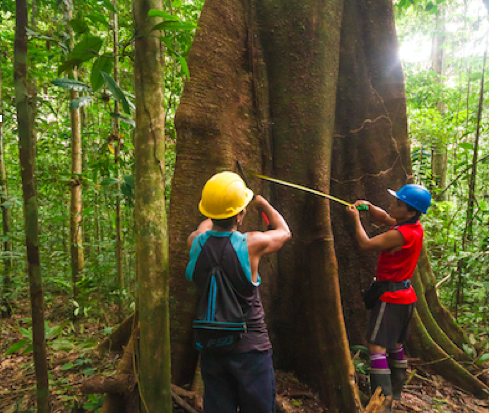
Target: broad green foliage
x,y
54,53
442,112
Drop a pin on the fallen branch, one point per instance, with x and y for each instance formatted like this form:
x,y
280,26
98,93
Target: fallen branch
x,y
182,403
432,362
376,402
114,384
182,392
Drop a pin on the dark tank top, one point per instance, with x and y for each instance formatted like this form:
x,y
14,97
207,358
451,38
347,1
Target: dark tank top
x,y
233,249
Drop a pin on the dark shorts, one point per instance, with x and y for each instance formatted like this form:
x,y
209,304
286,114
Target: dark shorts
x,y
389,324
244,380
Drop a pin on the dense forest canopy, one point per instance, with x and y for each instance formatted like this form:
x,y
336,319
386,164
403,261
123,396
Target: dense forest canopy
x,y
71,57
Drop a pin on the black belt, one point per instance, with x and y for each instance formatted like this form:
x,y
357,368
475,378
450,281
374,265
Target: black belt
x,y
394,286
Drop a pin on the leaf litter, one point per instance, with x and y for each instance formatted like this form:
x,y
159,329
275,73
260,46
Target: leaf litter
x,y
71,360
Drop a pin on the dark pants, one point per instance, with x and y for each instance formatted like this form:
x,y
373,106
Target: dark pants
x,y
244,380
389,324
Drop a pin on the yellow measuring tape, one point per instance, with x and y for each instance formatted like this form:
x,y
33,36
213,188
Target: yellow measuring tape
x,y
302,188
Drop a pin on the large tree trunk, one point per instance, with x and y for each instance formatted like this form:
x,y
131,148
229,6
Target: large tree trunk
x,y
301,48
6,310
220,121
150,211
277,108
27,162
371,150
215,124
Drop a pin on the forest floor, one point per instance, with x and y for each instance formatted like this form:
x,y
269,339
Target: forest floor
x,y
72,359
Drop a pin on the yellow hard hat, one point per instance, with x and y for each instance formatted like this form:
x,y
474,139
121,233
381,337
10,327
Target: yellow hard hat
x,y
224,196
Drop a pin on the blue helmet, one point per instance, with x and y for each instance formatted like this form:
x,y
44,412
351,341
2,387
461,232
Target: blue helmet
x,y
414,195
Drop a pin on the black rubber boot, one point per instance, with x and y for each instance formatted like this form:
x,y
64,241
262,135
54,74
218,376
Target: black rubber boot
x,y
384,381
398,377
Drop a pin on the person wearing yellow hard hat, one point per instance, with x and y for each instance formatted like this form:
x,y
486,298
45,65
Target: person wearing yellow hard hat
x,y
229,329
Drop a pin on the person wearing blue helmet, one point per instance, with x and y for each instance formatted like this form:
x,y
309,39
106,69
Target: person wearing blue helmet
x,y
391,296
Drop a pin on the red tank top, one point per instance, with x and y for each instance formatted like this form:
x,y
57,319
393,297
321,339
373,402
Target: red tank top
x,y
399,266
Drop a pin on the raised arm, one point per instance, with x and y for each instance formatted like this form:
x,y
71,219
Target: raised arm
x,y
390,240
203,227
378,213
261,243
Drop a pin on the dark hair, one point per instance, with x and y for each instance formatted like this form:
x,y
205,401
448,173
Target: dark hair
x,y
227,223
412,209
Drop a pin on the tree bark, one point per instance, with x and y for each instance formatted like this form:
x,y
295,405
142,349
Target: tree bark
x,y
150,211
121,335
422,345
443,317
301,48
27,161
371,149
114,384
128,403
7,261
118,214
76,200
220,120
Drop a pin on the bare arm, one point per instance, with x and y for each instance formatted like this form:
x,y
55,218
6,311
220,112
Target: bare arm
x,y
389,240
261,243
204,226
378,213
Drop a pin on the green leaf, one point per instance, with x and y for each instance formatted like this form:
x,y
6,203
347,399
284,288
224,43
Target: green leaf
x,y
80,102
129,180
55,331
183,64
361,349
168,43
28,349
67,366
26,333
123,118
109,6
79,26
104,64
164,14
176,4
30,32
97,18
109,181
483,358
116,91
14,348
175,26
466,146
71,84
67,66
86,49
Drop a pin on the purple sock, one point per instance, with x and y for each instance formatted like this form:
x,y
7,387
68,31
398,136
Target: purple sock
x,y
397,354
378,361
